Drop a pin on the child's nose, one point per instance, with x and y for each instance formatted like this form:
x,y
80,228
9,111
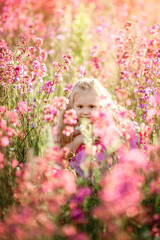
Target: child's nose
x,y
86,112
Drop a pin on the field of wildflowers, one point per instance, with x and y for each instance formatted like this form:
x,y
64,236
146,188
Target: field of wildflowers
x,y
45,46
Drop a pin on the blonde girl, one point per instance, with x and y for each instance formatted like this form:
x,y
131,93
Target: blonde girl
x,y
86,95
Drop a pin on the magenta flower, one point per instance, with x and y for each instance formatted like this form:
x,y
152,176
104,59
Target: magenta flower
x,y
82,193
77,215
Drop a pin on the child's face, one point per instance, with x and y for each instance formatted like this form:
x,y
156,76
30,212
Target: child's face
x,y
85,102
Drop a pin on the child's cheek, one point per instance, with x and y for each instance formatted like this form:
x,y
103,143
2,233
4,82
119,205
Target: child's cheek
x,y
77,112
78,115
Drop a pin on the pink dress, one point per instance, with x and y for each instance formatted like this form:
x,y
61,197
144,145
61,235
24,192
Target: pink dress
x,y
80,156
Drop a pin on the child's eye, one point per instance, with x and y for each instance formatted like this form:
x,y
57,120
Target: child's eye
x,y
92,106
80,106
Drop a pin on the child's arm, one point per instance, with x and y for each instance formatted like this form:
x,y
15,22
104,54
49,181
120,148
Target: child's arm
x,y
75,144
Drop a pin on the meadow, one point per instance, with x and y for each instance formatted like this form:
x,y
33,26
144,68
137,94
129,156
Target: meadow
x,y
46,46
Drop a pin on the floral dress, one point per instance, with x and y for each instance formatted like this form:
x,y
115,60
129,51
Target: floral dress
x,y
80,156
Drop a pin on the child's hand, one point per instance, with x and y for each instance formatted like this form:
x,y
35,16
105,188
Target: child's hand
x,y
96,139
78,140
76,132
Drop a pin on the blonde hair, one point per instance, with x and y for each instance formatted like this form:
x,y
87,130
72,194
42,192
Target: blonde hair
x,y
105,100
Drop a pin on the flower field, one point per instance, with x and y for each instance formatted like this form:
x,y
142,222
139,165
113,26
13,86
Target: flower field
x,y
45,47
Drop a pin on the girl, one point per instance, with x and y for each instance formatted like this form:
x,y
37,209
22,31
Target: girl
x,y
86,96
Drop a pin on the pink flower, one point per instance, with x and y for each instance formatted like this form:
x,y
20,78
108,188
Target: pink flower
x,y
36,65
50,112
38,42
68,88
55,64
10,132
69,230
68,59
121,191
94,51
81,71
151,113
14,163
70,117
22,107
104,127
136,157
154,100
1,160
48,117
68,130
155,186
43,69
4,141
13,116
3,124
155,29
128,102
43,55
66,68
3,109
1,157
46,186
60,102
67,179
